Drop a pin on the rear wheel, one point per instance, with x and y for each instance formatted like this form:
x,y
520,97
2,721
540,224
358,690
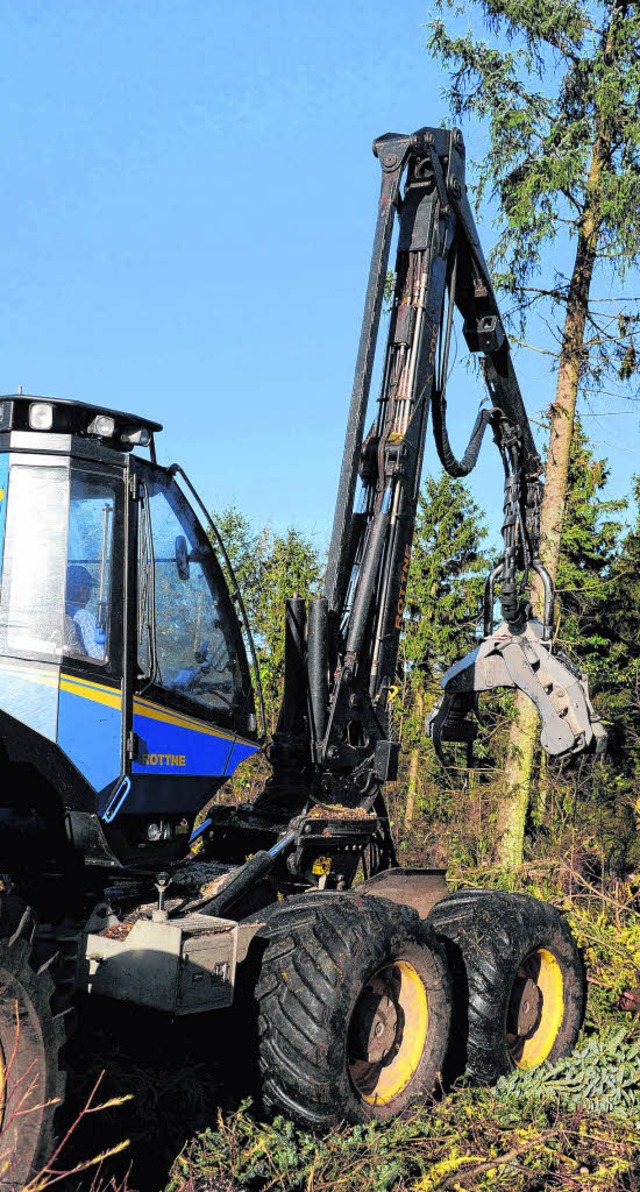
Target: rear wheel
x,y
354,1009
518,982
31,1039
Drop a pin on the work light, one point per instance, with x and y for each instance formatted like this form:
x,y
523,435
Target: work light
x,y
40,415
139,438
102,425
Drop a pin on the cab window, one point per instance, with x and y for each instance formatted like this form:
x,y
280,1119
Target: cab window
x,y
57,572
35,554
186,635
89,574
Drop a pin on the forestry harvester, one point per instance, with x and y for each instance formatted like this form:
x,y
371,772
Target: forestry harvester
x,y
129,694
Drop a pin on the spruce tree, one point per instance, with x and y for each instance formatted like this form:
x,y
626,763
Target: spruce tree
x,y
293,566
248,550
615,663
444,596
446,578
558,91
586,578
586,583
269,568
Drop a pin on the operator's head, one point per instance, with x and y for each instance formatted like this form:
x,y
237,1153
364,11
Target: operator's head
x,y
79,585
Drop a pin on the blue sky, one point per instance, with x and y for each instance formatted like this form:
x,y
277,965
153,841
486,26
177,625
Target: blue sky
x,y
188,201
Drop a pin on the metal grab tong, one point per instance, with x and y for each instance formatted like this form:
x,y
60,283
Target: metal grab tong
x,y
518,654
524,661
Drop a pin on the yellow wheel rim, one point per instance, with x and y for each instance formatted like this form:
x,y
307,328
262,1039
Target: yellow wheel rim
x,y
388,1033
536,1009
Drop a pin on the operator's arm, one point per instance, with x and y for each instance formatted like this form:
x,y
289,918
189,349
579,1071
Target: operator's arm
x,y
87,627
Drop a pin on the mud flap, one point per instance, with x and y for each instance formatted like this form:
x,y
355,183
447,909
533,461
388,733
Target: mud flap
x,y
523,661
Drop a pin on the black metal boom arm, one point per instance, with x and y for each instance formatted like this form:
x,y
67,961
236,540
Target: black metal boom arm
x,y
438,256
333,742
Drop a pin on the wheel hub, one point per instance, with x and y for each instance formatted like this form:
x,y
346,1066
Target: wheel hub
x,y
529,1006
388,1033
536,1009
377,1024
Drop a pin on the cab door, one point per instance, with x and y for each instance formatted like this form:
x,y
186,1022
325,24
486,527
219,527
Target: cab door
x,y
192,714
90,729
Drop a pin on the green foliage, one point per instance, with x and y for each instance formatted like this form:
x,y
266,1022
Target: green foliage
x,y
557,89
617,668
599,625
292,568
248,550
589,542
552,1125
446,578
269,568
444,597
603,1073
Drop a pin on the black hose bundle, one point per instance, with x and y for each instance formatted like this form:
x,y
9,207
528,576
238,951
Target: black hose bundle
x,y
452,466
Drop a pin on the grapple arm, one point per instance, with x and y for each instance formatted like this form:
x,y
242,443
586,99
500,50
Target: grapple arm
x,y
523,661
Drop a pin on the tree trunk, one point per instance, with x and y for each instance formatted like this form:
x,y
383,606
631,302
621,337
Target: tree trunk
x,y
523,737
514,804
412,780
412,783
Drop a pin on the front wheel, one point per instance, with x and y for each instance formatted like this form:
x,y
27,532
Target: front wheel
x,y
31,1039
518,982
354,1009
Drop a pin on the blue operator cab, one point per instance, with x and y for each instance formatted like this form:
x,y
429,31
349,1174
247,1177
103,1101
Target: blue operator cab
x,y
125,691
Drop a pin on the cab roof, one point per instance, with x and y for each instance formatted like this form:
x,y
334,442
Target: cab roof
x,y
61,415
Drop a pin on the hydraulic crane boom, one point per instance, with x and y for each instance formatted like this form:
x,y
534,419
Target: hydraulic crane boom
x,y
438,254
333,742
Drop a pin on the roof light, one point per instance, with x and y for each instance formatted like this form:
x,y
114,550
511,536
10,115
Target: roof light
x,y
40,415
138,438
102,425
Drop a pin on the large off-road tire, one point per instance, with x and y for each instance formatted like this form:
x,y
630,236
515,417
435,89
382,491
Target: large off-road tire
x,y
31,1040
354,1009
517,982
